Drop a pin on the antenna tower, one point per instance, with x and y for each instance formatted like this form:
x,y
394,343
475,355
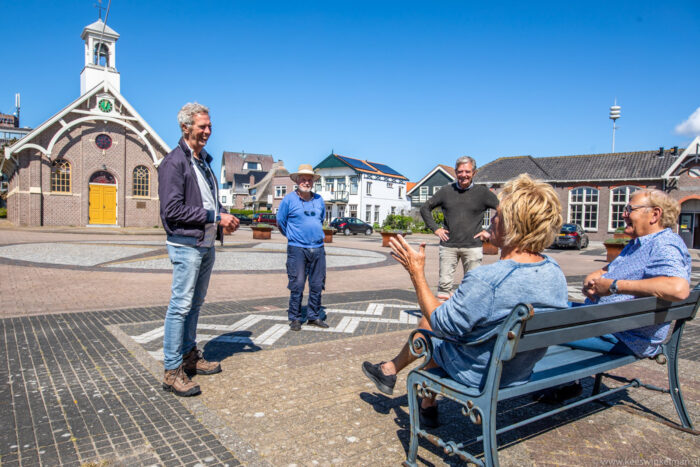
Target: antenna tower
x,y
614,115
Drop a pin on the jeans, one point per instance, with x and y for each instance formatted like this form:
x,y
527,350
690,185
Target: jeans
x,y
192,268
607,343
471,258
303,263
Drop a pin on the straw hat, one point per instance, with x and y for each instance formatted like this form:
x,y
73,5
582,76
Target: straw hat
x,y
304,169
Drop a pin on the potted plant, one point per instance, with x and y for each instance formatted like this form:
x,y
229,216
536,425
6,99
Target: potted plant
x,y
489,248
613,247
328,232
388,234
262,231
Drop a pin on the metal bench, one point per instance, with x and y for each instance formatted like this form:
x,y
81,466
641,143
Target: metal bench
x,y
524,330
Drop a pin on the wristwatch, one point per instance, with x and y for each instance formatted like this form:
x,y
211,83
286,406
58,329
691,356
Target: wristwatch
x,y
218,218
613,288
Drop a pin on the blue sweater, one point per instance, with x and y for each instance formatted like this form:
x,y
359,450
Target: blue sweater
x,y
486,296
302,221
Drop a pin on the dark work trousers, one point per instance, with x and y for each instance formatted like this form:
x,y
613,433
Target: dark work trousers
x,y
303,263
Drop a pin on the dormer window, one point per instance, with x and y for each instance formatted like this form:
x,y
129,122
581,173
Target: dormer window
x,y
252,166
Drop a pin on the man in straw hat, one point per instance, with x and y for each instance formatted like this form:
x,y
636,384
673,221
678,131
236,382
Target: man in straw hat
x,y
300,219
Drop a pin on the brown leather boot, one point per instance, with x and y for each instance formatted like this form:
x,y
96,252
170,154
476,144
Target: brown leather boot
x,y
193,363
177,382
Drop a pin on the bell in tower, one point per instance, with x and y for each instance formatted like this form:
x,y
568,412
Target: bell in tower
x,y
100,57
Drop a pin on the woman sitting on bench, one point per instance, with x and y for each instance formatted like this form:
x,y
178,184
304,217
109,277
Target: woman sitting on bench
x,y
526,221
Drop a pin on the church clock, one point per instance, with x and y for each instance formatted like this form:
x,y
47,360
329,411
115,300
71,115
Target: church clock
x,y
105,105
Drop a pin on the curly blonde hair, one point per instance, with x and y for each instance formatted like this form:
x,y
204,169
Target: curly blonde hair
x,y
530,213
670,208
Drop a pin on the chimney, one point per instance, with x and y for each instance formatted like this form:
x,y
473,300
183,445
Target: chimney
x,y
661,151
675,151
251,180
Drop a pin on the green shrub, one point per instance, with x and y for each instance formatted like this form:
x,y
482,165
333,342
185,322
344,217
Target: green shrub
x,y
439,217
247,212
397,222
3,213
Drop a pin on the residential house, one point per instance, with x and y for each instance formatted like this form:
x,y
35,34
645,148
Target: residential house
x,y
240,171
267,194
94,161
357,188
427,186
594,188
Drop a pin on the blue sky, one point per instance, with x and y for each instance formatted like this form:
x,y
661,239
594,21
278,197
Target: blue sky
x,y
409,84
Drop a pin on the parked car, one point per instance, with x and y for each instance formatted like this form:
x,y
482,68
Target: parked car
x,y
571,235
265,218
243,219
351,225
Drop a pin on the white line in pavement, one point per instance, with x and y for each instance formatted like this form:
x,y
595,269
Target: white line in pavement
x,y
270,336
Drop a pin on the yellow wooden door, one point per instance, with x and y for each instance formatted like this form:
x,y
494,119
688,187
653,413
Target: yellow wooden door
x,y
103,204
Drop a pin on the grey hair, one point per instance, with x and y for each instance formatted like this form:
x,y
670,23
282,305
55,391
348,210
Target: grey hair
x,y
465,160
670,208
185,117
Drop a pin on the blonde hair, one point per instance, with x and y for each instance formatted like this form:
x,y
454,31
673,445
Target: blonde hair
x,y
530,212
670,208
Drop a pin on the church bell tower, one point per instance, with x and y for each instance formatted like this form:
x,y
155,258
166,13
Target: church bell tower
x,y
100,57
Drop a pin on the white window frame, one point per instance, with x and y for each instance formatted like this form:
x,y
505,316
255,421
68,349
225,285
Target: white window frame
x,y
376,214
280,191
400,190
588,221
389,185
619,204
423,193
369,189
223,199
352,210
368,213
436,189
353,185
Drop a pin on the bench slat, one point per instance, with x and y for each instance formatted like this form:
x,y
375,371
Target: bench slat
x,y
546,337
557,318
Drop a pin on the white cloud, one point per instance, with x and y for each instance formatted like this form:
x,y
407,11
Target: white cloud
x,y
691,126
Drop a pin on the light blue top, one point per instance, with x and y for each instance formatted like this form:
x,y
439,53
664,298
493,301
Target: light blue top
x,y
658,254
486,296
302,221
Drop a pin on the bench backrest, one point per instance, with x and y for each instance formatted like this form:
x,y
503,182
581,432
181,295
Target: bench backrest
x,y
560,326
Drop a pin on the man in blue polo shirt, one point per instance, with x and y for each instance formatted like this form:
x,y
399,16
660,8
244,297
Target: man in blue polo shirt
x,y
655,263
300,219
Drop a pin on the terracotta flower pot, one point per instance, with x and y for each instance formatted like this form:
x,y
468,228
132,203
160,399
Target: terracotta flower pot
x,y
612,250
386,236
262,233
489,248
328,235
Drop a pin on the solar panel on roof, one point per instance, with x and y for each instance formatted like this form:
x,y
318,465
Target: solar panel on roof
x,y
386,169
358,164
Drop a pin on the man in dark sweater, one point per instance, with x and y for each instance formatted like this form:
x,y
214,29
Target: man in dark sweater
x,y
463,205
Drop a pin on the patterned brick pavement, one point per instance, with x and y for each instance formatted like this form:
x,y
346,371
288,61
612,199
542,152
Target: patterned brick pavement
x,y
84,389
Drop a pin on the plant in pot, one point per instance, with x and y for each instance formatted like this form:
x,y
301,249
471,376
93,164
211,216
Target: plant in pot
x,y
388,233
613,247
328,232
262,231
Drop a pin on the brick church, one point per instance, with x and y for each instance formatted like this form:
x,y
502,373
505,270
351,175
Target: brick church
x,y
92,163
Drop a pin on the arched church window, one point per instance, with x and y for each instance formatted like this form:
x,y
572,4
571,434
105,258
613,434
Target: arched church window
x,y
60,176
101,57
103,177
141,181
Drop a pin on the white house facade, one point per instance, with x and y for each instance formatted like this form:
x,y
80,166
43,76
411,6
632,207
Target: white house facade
x,y
355,188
